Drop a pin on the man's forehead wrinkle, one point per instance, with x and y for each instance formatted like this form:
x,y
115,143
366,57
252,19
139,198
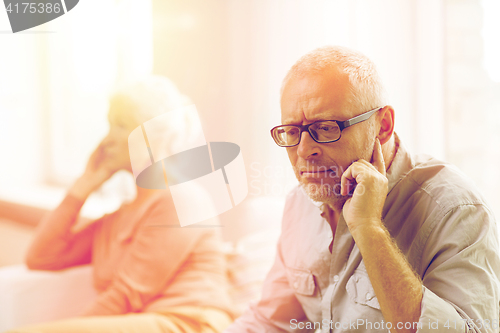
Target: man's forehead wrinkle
x,y
304,110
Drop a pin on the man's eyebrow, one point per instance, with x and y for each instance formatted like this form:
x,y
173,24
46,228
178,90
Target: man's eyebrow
x,y
291,123
309,122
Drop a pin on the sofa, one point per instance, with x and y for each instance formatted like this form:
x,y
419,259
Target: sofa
x,y
250,234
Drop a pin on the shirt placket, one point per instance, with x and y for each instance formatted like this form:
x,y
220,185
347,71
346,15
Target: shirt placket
x,y
341,248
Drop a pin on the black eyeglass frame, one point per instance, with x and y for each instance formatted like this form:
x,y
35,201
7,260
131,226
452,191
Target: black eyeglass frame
x,y
342,125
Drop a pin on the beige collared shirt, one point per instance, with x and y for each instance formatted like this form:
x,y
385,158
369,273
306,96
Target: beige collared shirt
x,y
440,223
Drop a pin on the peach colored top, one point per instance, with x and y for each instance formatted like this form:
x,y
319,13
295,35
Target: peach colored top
x,y
143,260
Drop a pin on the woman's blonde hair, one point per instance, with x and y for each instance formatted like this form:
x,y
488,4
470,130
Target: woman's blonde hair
x,y
137,102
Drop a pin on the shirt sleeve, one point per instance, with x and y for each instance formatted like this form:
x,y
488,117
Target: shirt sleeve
x,y
461,277
159,247
278,309
54,246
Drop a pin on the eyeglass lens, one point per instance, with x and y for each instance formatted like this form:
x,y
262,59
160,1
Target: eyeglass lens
x,y
324,131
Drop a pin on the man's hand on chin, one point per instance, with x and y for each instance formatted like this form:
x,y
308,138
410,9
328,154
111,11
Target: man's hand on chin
x,y
363,211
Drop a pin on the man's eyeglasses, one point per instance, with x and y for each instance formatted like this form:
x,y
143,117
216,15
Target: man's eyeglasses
x,y
322,131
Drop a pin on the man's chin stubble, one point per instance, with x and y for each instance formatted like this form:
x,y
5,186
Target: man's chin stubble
x,y
326,194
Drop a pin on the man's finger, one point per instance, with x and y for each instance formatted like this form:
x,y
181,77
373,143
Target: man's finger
x,y
344,180
349,176
378,158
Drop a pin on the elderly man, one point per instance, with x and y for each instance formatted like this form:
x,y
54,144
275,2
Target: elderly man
x,y
373,239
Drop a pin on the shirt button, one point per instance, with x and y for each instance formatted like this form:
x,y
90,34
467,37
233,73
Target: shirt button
x,y
336,278
295,285
368,296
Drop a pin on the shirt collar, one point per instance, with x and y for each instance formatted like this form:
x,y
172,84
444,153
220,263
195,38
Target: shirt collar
x,y
401,164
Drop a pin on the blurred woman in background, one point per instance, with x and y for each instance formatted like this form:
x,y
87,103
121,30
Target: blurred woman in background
x,y
151,274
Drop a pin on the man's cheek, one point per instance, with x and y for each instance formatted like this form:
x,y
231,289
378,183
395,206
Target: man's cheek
x,y
292,154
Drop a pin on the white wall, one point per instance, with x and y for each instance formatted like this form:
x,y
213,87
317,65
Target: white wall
x,y
231,56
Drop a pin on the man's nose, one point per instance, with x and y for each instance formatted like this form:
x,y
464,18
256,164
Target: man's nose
x,y
307,147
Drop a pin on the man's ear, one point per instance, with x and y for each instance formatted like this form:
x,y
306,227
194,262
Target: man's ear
x,y
386,119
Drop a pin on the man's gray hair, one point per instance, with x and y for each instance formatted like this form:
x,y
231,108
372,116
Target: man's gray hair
x,y
367,90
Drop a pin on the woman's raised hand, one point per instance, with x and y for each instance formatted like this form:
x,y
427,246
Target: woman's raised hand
x,y
101,165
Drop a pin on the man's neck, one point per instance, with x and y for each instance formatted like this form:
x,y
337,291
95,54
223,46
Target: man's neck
x,y
332,215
